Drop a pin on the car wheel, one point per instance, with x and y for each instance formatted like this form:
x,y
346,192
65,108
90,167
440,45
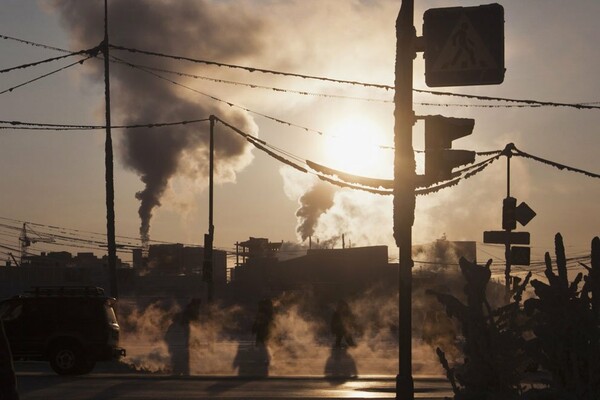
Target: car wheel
x,y
66,359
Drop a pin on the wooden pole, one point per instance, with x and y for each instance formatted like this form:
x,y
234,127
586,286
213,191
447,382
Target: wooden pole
x,y
109,178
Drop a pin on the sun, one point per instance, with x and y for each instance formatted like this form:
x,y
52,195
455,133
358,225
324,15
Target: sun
x,y
353,145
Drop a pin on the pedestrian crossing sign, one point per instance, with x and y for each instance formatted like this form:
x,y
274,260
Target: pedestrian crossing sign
x,y
464,46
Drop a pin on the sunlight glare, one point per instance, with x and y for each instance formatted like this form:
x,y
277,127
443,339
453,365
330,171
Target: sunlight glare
x,y
353,147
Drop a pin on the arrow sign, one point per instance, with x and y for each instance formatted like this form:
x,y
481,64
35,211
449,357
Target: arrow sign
x,y
524,213
500,237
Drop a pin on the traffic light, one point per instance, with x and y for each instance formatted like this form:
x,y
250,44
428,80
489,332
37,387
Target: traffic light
x,y
440,159
509,213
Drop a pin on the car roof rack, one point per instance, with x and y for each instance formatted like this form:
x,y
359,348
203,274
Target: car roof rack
x,y
62,291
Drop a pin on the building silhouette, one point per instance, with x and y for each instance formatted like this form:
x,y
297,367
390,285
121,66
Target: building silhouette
x,y
261,271
170,270
331,274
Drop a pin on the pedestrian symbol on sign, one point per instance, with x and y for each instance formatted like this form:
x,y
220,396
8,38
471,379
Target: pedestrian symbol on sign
x,y
464,50
463,45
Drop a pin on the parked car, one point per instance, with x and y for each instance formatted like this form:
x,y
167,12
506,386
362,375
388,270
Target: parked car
x,y
72,327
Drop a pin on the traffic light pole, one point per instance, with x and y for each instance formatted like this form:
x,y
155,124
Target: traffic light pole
x,y
404,191
507,245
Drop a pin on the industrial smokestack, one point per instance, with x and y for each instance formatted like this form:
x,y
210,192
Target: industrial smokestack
x,y
181,27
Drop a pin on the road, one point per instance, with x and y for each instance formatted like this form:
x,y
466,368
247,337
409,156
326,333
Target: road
x,y
38,382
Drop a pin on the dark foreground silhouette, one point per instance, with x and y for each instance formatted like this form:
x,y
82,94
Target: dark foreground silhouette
x,y
340,366
177,338
8,380
557,333
252,361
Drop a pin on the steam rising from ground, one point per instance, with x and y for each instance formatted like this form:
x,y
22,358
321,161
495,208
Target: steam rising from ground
x,y
300,344
147,335
175,27
142,335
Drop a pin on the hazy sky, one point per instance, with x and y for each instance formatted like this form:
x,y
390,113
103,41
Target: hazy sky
x,y
57,178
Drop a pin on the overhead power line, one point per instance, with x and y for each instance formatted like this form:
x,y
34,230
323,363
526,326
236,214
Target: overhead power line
x,y
67,235
250,85
478,105
22,125
93,52
52,127
520,153
580,106
526,102
30,43
351,82
376,186
314,94
47,60
348,178
381,186
10,248
280,121
250,69
46,75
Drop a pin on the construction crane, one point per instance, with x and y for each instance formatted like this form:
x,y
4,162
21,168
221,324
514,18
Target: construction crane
x,y
25,240
14,259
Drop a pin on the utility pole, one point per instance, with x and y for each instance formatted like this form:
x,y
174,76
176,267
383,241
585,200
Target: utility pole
x,y
207,270
404,190
24,242
108,159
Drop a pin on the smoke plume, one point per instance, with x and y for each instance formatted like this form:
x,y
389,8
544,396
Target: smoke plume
x,y
183,27
326,212
316,201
